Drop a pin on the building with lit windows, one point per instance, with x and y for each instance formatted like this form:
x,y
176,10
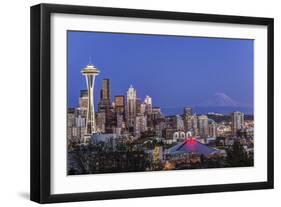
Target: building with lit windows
x,y
83,99
212,128
237,122
179,123
131,106
187,111
119,102
140,124
203,126
148,104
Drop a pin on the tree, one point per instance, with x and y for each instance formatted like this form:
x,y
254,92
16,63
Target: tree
x,y
237,156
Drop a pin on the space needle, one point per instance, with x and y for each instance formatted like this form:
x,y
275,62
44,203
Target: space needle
x,y
90,72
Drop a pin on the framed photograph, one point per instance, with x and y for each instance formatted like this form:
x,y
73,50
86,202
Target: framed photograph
x,y
132,103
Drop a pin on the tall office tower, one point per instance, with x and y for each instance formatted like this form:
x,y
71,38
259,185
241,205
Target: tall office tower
x,y
188,111
104,104
203,126
159,128
138,105
187,122
179,123
101,121
80,127
70,124
148,103
119,121
105,91
112,108
81,116
156,110
156,113
191,124
237,122
119,104
131,106
83,99
83,104
142,108
140,124
148,112
170,122
90,72
213,129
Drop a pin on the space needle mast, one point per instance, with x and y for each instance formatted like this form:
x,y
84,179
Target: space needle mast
x,y
90,72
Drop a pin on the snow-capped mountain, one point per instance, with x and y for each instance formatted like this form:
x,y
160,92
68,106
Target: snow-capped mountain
x,y
221,100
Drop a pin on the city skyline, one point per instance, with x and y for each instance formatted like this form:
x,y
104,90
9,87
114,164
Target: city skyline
x,y
120,85
121,124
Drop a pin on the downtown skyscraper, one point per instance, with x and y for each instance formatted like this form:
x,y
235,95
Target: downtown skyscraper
x,y
148,104
104,103
203,126
119,102
237,122
131,106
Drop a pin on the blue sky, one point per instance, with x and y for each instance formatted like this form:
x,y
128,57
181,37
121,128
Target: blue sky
x,y
175,71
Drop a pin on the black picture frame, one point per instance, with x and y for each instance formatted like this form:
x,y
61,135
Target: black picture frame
x,y
41,97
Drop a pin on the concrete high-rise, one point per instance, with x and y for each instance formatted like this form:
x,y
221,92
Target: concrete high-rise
x,y
119,110
138,105
83,99
187,115
191,124
131,106
140,124
148,103
188,111
237,122
90,72
203,126
179,123
213,129
119,104
104,104
105,91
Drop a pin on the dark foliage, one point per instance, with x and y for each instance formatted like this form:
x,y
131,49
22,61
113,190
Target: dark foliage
x,y
238,157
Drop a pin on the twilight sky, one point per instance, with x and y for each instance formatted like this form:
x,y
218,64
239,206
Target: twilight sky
x,y
175,71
